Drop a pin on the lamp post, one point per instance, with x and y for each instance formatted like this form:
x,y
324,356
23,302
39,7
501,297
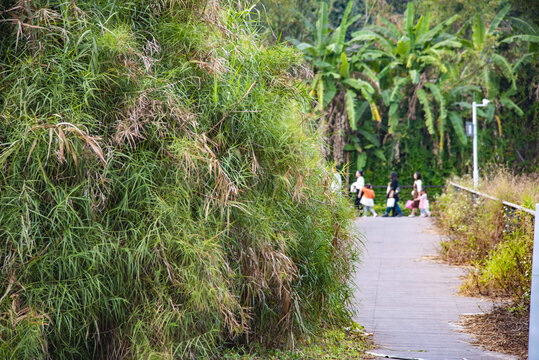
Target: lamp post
x,y
474,124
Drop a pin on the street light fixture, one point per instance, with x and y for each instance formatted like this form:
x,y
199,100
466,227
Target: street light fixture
x,y
474,124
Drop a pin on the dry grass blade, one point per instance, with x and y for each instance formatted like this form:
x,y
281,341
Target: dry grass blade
x,y
60,130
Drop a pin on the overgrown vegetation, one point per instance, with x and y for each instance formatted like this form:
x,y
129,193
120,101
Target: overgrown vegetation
x,y
161,194
495,242
485,234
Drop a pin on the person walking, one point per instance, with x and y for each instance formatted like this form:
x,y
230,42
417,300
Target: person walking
x,y
356,188
393,193
423,204
368,200
418,186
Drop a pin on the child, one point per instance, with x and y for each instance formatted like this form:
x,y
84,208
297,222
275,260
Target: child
x,y
424,204
368,200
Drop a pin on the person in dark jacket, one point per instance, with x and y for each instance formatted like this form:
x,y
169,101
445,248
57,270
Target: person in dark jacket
x,y
393,192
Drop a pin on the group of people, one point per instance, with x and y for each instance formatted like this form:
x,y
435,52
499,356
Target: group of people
x,y
364,196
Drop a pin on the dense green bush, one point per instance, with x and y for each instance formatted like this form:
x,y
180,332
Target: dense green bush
x,y
160,193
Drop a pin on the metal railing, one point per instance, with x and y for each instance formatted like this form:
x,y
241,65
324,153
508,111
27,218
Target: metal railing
x,y
505,203
533,339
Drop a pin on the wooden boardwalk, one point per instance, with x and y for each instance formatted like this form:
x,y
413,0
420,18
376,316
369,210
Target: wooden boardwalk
x,y
407,300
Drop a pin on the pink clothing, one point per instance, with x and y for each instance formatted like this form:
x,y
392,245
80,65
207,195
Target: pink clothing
x,y
423,201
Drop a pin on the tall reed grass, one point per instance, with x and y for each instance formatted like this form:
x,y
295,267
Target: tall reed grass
x,y
161,195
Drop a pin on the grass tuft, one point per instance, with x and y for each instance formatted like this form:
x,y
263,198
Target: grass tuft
x,y
160,193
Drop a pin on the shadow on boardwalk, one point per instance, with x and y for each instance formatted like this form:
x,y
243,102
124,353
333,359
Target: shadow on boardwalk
x,y
409,302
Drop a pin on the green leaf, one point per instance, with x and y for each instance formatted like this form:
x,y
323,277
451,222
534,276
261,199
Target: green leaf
x,y
414,76
523,60
435,90
462,90
510,104
435,31
369,75
397,86
489,113
432,60
350,98
330,91
7,152
320,92
448,43
505,67
304,46
380,154
364,35
443,112
369,136
361,161
366,95
529,38
489,83
464,105
410,60
370,55
322,65
410,19
349,147
386,94
393,117
345,66
340,33
429,120
498,18
359,84
422,26
478,36
387,69
524,26
361,109
321,27
396,33
403,47
466,43
457,123
418,26
388,33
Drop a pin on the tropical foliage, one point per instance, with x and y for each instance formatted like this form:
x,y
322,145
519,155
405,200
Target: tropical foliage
x,y
418,80
338,84
161,194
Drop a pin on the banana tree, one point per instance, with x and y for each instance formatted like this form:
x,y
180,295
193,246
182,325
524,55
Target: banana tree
x,y
410,63
484,72
344,92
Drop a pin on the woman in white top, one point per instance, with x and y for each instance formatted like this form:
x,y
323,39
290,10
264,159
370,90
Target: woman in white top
x,y
356,187
418,186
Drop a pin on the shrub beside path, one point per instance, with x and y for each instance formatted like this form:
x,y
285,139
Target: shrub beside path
x,y
407,300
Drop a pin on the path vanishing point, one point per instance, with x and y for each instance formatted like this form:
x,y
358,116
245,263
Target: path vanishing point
x,y
408,301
